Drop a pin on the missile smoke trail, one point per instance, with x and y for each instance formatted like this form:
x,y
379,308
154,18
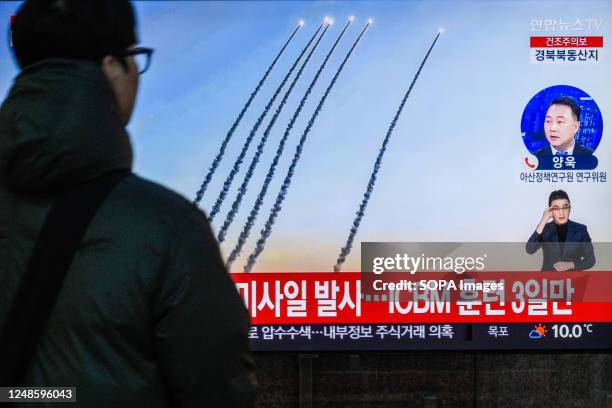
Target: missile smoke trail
x,y
247,143
260,197
368,193
221,152
259,151
265,233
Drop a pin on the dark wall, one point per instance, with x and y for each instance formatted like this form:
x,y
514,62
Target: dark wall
x,y
434,380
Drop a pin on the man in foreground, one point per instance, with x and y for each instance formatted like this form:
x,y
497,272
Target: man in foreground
x,y
147,314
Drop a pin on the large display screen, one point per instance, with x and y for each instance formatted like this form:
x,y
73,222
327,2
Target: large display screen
x,y
390,175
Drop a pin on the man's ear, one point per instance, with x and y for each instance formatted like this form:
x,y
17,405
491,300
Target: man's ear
x,y
112,67
577,125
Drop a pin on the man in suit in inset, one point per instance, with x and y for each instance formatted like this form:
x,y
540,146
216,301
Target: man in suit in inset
x,y
561,125
566,244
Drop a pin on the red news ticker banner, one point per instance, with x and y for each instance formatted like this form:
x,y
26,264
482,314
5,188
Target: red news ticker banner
x,y
566,42
348,297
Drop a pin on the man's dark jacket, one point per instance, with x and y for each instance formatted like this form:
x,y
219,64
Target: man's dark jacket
x,y
578,150
147,316
577,247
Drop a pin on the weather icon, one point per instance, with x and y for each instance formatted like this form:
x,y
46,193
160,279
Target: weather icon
x,y
538,332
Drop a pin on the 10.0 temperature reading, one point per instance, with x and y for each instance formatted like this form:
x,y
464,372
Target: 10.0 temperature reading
x,y
574,331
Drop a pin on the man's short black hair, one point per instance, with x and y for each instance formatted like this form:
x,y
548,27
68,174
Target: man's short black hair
x,y
76,29
558,195
567,101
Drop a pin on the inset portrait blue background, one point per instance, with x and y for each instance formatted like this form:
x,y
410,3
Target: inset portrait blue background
x,y
532,122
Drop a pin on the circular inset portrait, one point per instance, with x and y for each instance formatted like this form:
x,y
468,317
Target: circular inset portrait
x,y
561,120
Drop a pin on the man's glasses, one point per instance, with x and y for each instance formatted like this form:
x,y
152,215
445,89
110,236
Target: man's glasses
x,y
565,208
142,57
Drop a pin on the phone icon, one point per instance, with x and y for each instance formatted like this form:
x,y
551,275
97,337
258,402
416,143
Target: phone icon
x,y
531,166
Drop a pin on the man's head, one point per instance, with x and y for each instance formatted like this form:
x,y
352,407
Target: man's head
x,y
559,203
97,30
562,122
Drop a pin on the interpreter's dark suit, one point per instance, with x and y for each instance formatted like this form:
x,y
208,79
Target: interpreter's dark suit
x,y
577,247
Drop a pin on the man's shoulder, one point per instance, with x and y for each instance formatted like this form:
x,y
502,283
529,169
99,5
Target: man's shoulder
x,y
149,200
577,225
543,151
579,149
152,194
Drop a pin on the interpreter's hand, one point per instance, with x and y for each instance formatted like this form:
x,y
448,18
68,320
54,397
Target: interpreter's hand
x,y
546,216
563,266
